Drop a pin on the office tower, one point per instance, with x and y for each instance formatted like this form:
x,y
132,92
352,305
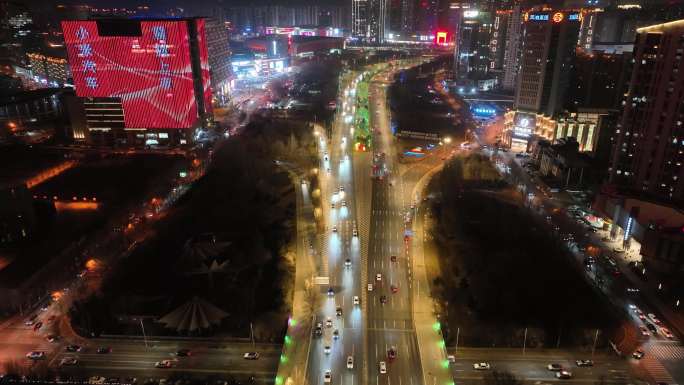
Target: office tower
x,y
360,19
512,49
407,20
548,46
599,80
649,141
142,81
219,58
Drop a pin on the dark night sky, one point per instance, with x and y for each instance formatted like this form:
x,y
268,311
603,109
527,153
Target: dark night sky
x,y
177,3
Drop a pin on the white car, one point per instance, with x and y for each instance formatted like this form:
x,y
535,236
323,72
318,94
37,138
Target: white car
x,y
347,262
383,367
356,300
328,322
334,229
344,203
35,355
481,366
370,287
164,364
667,333
327,377
251,356
350,362
326,349
563,374
355,233
68,361
378,277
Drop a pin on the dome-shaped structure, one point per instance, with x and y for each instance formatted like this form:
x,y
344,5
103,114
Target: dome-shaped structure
x,y
193,316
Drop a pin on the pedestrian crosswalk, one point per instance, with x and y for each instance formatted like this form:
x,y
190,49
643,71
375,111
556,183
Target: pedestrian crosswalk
x,y
653,365
667,351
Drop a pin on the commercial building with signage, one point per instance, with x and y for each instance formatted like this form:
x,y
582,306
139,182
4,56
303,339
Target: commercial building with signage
x,y
142,82
547,52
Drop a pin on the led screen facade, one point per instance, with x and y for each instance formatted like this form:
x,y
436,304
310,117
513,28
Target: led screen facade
x,y
146,64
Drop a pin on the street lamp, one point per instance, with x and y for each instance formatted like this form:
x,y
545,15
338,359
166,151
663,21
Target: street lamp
x,y
447,140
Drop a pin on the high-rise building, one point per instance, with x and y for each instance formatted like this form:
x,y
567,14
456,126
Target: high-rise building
x,y
548,46
599,80
219,58
407,20
360,18
370,20
143,81
511,59
51,69
648,149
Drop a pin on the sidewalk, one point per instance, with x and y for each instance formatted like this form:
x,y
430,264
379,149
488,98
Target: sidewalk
x,y
294,358
430,342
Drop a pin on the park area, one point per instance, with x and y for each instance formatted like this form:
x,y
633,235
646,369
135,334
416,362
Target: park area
x,y
223,253
501,278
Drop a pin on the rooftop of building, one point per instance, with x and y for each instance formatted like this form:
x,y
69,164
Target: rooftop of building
x,y
663,27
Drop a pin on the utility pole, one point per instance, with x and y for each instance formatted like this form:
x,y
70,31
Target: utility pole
x,y
251,333
593,348
458,331
143,331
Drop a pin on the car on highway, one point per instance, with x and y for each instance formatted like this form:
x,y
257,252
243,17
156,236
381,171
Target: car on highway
x,y
163,364
355,232
73,348
383,299
35,355
638,354
554,367
667,333
183,353
332,205
393,258
251,356
394,288
328,322
334,229
370,287
104,350
481,366
581,363
336,334
96,380
392,353
52,338
327,377
37,326
654,318
344,203
378,277
383,367
644,331
338,311
350,362
563,374
331,292
347,262
652,328
68,361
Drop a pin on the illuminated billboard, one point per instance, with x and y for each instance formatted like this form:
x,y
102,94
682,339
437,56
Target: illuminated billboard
x,y
523,124
146,64
556,17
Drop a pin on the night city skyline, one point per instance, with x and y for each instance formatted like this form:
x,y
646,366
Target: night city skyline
x,y
372,192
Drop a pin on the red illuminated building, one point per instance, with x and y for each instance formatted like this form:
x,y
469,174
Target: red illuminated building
x,y
142,82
